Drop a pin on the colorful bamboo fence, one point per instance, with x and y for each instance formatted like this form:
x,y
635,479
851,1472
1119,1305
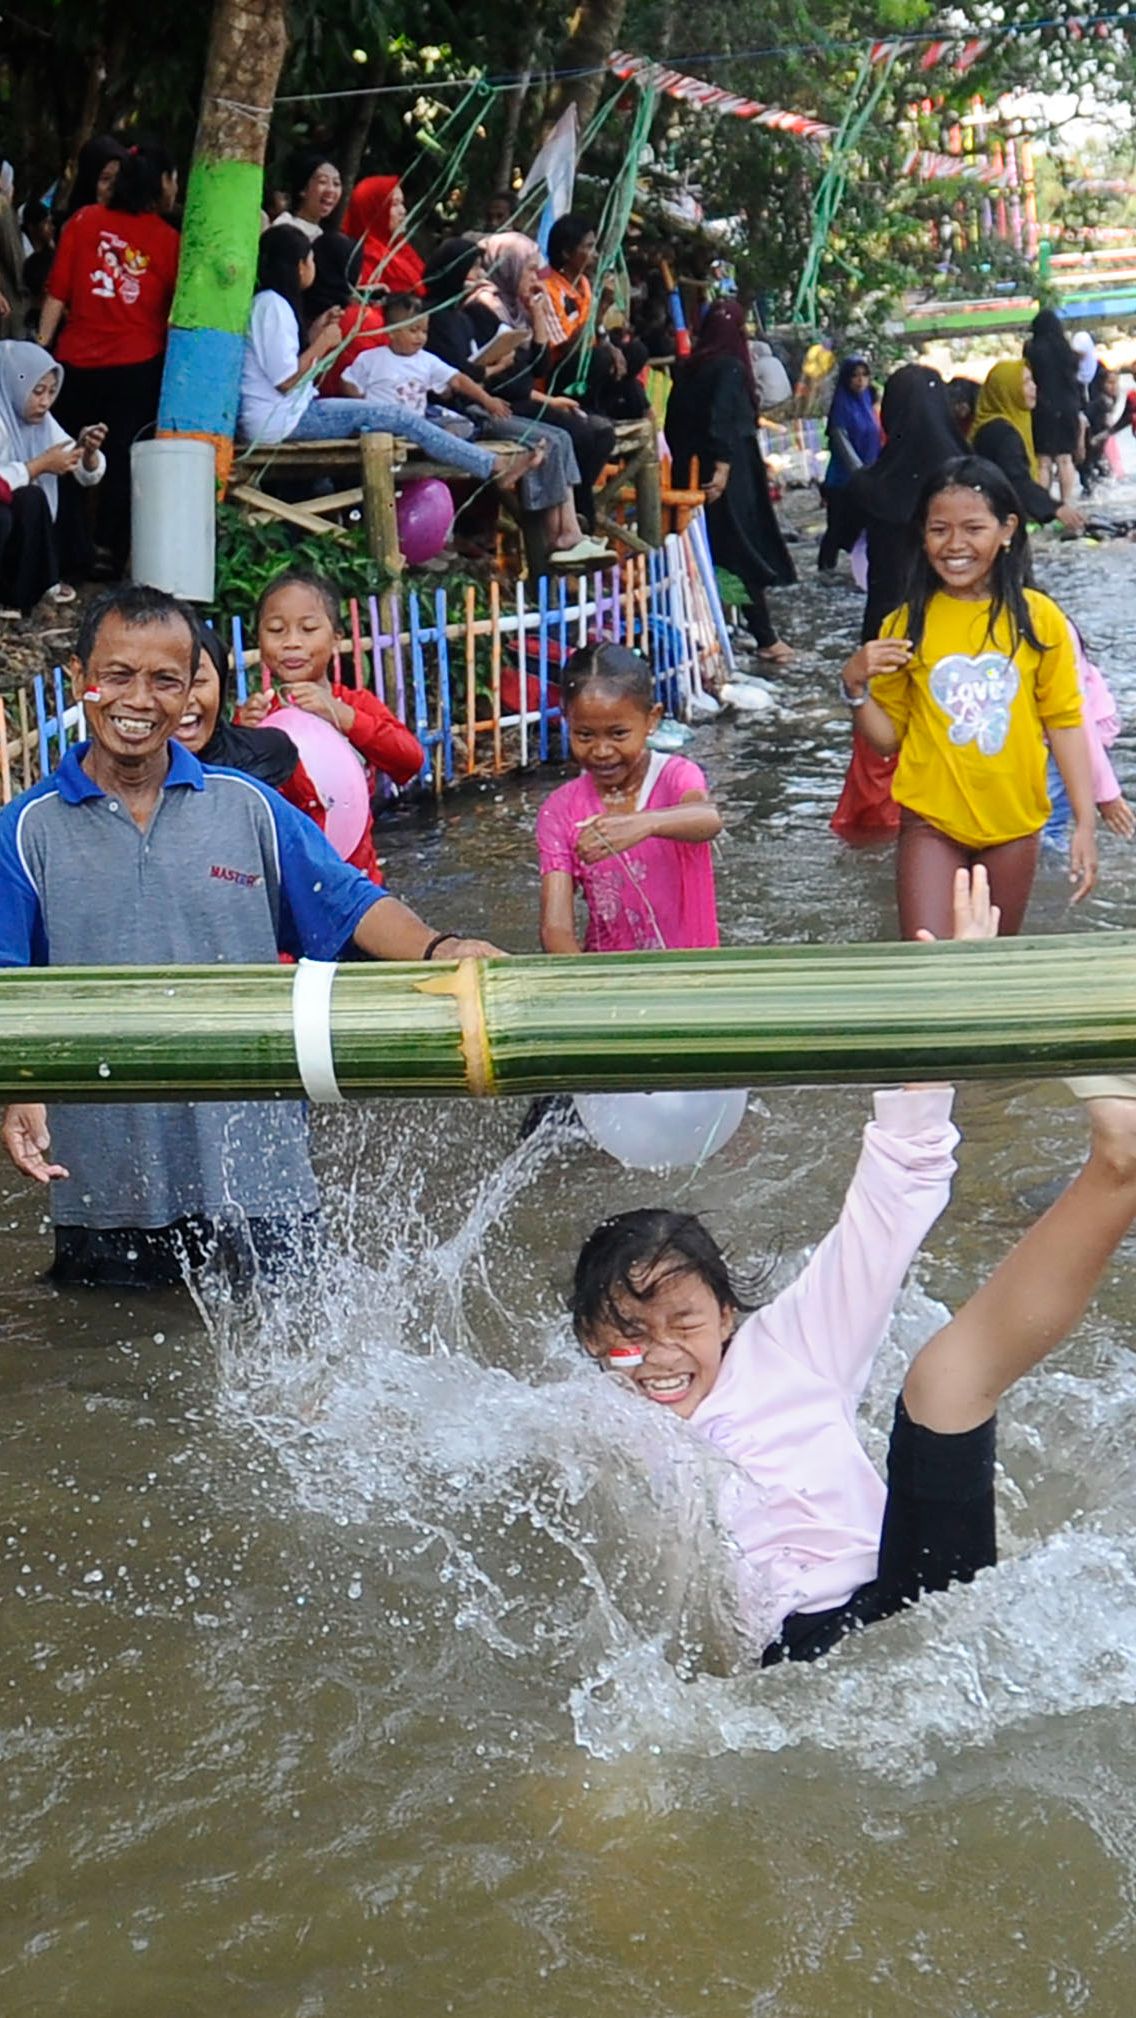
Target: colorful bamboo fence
x,y
478,689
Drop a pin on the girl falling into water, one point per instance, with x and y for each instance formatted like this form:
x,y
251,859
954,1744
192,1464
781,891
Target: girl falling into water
x,y
776,1389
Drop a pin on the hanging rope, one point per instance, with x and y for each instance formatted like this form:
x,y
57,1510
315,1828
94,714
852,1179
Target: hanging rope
x,y
833,183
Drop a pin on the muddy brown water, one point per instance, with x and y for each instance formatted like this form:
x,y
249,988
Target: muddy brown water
x,y
374,1655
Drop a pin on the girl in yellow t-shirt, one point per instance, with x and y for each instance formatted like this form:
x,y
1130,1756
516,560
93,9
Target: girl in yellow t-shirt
x,y
966,682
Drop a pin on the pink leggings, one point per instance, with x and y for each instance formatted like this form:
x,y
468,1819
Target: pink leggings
x,y
925,866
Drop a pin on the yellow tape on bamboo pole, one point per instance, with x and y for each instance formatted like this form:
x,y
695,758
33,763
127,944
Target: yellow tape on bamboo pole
x,y
602,1023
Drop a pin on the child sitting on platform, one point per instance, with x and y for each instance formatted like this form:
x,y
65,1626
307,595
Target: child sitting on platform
x,y
299,632
633,831
403,370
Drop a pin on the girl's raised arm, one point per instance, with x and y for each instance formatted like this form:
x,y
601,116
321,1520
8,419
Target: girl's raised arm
x,y
834,1316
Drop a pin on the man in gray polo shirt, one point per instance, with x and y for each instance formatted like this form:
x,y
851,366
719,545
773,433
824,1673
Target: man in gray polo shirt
x,y
134,854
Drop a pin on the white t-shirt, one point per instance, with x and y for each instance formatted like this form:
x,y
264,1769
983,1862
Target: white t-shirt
x,y
272,353
408,381
304,224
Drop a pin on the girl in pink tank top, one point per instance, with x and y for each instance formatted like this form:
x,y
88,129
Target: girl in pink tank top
x,y
632,833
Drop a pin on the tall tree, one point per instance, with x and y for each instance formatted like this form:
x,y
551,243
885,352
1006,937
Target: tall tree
x,y
248,41
593,32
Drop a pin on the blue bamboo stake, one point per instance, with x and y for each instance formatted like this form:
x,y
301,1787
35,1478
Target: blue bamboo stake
x,y
418,674
542,664
239,661
441,614
562,591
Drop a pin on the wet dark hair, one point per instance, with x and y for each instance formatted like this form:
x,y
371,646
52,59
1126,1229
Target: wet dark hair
x,y
403,308
283,250
622,672
135,604
138,184
1012,572
651,1244
304,578
566,235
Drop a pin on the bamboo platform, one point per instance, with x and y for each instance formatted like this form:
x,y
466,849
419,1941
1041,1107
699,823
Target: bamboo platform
x,y
375,466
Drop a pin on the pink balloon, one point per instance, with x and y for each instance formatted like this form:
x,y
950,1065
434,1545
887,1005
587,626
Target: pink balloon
x,y
425,513
334,770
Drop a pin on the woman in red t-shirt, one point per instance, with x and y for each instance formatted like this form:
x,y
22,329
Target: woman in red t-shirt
x,y
113,279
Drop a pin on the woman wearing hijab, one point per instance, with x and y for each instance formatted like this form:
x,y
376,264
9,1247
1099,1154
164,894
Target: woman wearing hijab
x,y
712,414
452,274
1059,421
510,296
1003,433
374,219
34,453
881,502
853,441
278,395
267,754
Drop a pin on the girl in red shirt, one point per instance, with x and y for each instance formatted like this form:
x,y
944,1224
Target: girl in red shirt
x,y
299,632
113,280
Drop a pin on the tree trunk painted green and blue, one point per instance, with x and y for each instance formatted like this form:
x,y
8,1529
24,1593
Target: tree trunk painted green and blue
x,y
740,1017
201,382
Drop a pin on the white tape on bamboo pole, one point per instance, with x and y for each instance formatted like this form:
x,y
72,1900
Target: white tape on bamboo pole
x,y
311,1028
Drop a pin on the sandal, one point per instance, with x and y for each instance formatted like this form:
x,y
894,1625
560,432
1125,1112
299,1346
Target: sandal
x,y
62,593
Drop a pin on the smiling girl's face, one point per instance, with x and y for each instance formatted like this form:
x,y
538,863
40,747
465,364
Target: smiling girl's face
x,y
677,1323
608,733
202,707
962,538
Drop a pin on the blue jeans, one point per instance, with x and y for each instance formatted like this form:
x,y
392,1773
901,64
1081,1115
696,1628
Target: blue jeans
x,y
341,419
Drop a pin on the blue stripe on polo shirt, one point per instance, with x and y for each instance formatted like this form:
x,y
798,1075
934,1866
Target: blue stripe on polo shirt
x,y
322,898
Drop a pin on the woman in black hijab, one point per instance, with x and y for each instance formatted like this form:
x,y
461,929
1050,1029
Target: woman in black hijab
x,y
266,754
712,414
919,437
1059,417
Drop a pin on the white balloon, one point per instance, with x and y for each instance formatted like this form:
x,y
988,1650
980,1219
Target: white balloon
x,y
657,1131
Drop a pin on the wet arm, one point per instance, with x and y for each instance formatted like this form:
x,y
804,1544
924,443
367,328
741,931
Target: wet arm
x,y
557,913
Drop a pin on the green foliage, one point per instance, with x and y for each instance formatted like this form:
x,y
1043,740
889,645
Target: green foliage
x,y
249,556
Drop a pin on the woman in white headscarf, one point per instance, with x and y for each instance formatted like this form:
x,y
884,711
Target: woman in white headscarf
x,y
34,453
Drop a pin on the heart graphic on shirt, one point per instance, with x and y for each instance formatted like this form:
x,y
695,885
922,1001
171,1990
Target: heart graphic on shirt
x,y
976,695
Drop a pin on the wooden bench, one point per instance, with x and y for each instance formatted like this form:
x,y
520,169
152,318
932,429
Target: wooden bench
x,y
374,465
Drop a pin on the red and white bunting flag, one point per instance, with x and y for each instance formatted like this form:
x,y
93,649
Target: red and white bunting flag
x,y
711,98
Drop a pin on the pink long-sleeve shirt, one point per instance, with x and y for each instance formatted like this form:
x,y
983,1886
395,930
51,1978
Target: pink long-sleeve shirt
x,y
784,1405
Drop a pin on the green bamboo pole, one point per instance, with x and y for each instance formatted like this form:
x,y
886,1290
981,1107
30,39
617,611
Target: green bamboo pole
x,y
740,1017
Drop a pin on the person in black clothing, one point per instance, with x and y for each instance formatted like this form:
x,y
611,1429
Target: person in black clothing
x,y
880,501
713,413
455,332
1003,434
1059,421
962,398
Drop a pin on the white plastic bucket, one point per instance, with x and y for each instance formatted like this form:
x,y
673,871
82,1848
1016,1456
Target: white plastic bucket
x,y
173,516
